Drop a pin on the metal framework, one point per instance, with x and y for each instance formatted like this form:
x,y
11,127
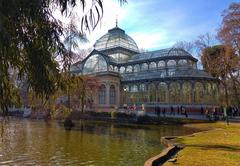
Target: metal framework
x,y
167,76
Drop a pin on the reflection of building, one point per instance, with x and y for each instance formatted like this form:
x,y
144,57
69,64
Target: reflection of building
x,y
167,76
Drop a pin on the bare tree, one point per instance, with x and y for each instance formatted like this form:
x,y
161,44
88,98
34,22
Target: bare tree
x,y
187,46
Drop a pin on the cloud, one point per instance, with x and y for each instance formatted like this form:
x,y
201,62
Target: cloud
x,y
159,24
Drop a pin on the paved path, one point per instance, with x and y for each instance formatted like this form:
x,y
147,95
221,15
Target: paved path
x,y
198,117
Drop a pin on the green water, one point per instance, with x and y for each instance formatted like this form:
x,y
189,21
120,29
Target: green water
x,y
24,142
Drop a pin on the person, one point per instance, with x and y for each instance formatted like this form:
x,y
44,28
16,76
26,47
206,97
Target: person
x,y
143,107
158,110
225,113
214,114
164,111
202,111
185,112
155,110
178,110
207,114
181,109
172,111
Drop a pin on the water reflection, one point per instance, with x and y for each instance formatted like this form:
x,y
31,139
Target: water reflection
x,y
89,143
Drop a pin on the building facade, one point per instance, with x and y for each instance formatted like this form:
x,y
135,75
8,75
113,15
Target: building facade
x,y
127,77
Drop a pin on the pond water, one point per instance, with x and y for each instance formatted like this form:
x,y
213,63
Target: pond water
x,y
25,142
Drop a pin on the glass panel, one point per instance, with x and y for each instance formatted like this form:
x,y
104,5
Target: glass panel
x,y
95,63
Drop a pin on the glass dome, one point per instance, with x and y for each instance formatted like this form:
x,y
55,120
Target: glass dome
x,y
116,37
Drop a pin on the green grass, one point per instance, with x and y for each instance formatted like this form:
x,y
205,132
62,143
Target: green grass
x,y
218,146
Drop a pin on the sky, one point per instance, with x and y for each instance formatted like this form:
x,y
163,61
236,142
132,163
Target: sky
x,y
157,24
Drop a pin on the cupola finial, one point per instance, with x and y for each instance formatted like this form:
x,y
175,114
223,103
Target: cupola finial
x,y
116,21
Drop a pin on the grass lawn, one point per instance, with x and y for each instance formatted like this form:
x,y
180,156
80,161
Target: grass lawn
x,y
218,147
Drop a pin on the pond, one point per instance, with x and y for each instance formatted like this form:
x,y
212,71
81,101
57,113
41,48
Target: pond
x,y
26,142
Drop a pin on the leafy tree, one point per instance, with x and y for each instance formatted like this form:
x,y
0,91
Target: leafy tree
x,y
30,41
229,32
221,62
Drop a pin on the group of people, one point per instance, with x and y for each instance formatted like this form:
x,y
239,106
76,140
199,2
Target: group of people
x,y
223,113
180,111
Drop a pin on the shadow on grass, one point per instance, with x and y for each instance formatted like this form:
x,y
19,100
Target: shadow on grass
x,y
217,147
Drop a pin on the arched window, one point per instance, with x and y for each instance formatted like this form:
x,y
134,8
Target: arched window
x,y
162,92
161,64
143,93
152,65
95,63
142,87
129,69
171,63
144,66
187,92
116,69
174,92
183,63
152,92
112,94
134,96
198,92
102,94
122,69
134,88
136,68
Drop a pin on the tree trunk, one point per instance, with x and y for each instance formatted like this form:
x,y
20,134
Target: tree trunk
x,y
225,93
